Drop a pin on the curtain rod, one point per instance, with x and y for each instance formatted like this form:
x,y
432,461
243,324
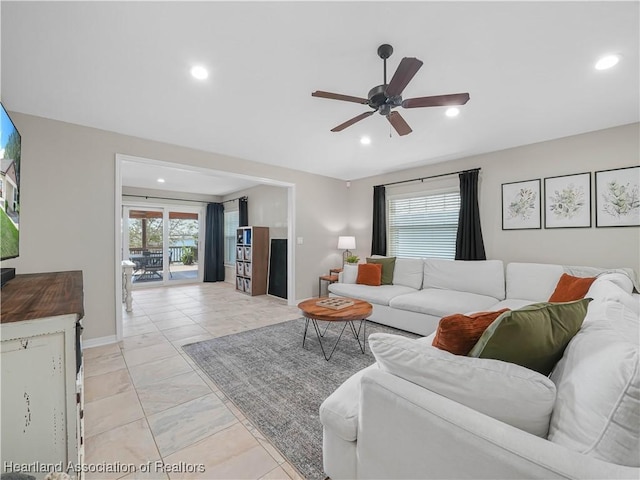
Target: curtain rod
x,y
234,199
427,178
178,199
163,198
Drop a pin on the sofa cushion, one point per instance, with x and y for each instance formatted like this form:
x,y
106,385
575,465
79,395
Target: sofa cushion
x,y
458,333
369,274
571,288
622,280
388,266
597,411
534,336
532,281
439,303
339,412
480,277
510,393
378,295
407,271
349,273
615,307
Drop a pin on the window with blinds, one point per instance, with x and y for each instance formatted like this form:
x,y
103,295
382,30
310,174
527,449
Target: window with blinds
x,y
423,226
231,221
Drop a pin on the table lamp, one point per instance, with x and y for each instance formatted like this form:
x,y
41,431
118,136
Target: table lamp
x,y
346,244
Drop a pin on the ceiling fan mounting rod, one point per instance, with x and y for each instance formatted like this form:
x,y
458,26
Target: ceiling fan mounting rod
x,y
384,51
385,72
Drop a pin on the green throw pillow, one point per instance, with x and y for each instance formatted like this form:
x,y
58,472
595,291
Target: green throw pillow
x,y
534,336
388,265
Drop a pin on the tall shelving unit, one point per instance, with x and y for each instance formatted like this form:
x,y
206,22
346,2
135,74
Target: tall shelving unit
x,y
252,260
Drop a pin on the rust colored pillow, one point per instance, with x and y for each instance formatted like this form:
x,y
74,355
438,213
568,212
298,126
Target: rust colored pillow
x,y
458,333
369,274
571,288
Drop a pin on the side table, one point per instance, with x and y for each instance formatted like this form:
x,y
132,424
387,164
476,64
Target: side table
x,y
327,278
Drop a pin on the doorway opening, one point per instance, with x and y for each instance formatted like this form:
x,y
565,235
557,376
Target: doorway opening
x,y
181,254
163,243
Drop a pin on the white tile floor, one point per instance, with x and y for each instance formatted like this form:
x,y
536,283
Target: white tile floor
x,y
146,401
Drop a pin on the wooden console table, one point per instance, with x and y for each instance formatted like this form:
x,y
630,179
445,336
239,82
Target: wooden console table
x,y
41,363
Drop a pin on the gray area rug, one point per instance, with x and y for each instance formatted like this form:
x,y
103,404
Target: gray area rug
x,y
279,385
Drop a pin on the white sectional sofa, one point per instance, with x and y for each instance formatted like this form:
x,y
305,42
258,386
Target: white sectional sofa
x,y
425,290
421,412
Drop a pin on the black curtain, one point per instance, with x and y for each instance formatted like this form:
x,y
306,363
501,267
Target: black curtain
x,y
243,216
469,244
214,243
379,234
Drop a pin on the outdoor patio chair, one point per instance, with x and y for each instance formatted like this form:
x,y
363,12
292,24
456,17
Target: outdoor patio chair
x,y
153,265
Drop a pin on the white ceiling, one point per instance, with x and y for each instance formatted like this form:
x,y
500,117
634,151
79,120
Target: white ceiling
x,y
145,175
124,67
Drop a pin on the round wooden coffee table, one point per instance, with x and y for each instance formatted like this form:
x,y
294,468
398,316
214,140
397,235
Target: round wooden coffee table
x,y
313,312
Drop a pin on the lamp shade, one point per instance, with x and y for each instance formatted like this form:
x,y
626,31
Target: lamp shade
x,y
346,243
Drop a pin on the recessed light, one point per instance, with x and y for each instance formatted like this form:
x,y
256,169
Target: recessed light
x,y
452,112
365,140
161,180
607,62
199,72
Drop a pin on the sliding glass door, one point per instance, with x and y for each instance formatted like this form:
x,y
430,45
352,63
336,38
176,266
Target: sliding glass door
x,y
184,233
163,242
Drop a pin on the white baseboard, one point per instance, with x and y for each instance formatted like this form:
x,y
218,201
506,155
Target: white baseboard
x,y
98,342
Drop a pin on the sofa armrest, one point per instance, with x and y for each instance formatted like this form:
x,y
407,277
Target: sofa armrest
x,y
406,431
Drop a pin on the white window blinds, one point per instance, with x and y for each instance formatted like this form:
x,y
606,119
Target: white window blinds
x,y
424,225
231,220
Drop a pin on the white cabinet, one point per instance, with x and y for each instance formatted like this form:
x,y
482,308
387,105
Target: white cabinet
x,y
41,381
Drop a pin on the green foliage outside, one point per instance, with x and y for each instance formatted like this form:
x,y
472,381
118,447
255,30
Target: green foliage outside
x,y
188,256
8,236
178,229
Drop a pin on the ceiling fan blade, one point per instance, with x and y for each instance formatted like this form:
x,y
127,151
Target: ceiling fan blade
x,y
408,67
396,120
337,96
348,123
437,101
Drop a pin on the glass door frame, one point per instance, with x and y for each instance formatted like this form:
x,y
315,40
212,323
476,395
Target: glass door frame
x,y
165,208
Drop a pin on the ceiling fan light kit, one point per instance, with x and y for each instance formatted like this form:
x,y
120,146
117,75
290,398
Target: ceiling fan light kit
x,y
384,98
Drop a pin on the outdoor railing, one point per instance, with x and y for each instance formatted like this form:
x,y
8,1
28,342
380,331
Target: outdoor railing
x,y
175,253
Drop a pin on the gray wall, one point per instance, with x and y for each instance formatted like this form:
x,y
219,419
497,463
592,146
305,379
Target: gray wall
x,y
68,214
600,150
268,207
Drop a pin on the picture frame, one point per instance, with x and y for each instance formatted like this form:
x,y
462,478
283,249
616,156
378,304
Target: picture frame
x,y
567,201
521,205
617,193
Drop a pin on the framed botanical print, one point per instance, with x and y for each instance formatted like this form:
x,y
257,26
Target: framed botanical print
x,y
618,197
567,201
521,205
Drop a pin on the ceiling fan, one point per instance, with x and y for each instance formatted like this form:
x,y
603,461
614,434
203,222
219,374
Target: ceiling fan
x,y
383,98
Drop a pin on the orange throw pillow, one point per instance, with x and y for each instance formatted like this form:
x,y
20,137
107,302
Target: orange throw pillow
x,y
458,333
571,288
369,274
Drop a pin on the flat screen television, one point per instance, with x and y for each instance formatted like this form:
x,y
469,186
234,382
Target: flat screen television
x,y
9,187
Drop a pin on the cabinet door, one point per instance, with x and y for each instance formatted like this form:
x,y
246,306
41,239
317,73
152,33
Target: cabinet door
x,y
34,399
